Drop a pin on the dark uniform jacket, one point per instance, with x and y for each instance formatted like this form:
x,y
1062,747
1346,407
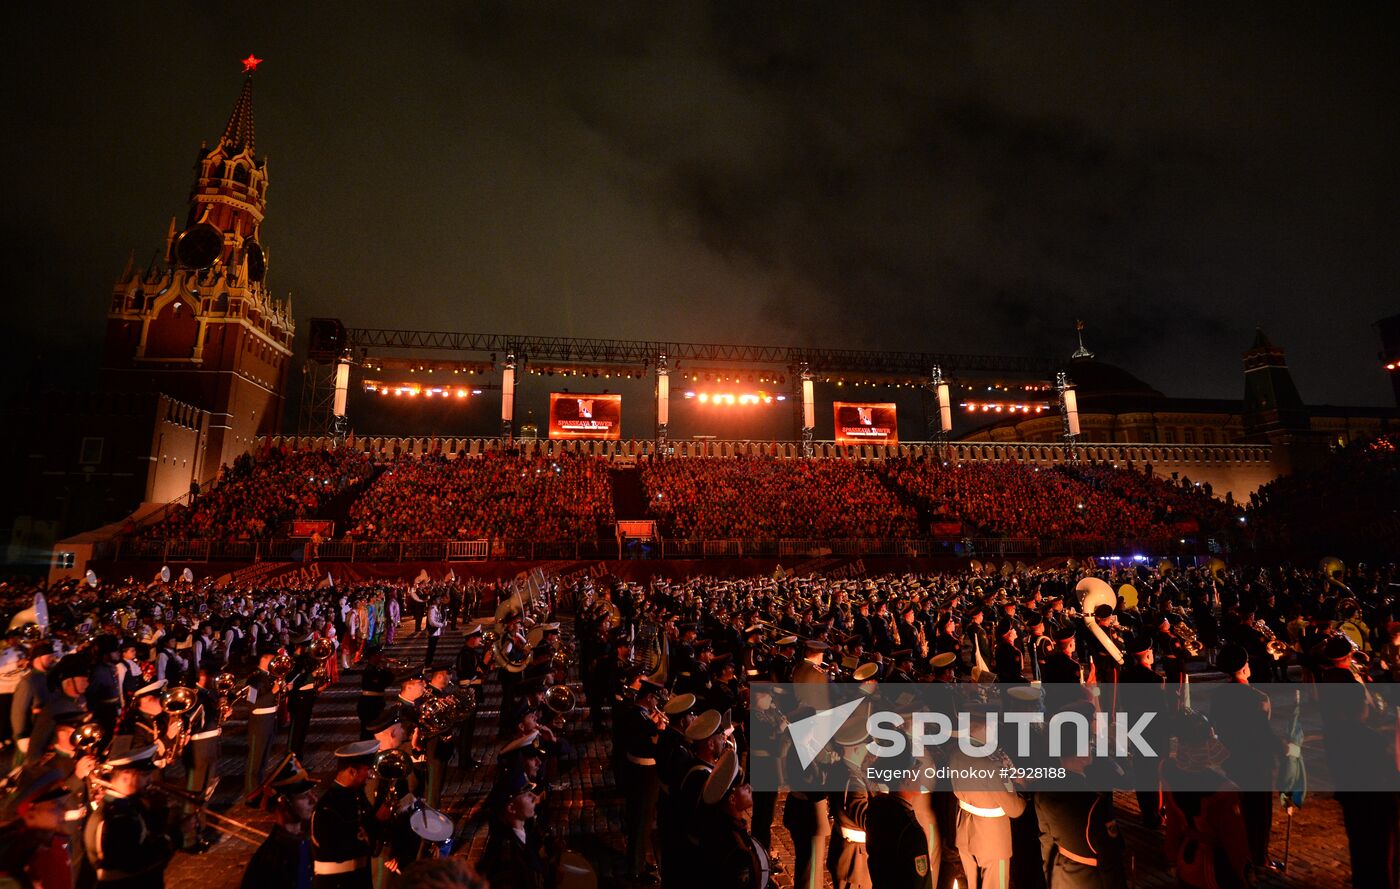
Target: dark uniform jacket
x,y
897,845
342,824
509,863
127,842
1081,831
283,861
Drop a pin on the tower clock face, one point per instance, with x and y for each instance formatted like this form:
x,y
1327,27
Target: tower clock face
x,y
198,246
257,264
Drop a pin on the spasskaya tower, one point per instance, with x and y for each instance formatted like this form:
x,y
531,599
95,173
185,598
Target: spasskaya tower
x,y
200,324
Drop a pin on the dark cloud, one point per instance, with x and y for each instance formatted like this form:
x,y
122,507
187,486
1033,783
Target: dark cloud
x,y
967,177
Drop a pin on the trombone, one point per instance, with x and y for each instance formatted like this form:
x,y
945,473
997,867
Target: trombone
x,y
230,827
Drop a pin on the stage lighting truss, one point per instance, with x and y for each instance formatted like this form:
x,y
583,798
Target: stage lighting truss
x,y
733,399
435,369
592,371
1004,407
421,390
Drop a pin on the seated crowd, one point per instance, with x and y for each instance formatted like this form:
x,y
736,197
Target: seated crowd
x,y
1348,503
566,498
252,497
1014,500
763,498
492,496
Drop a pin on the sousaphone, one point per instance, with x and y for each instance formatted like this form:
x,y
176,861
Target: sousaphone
x,y
1093,593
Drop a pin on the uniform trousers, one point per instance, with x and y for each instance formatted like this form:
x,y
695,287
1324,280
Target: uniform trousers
x,y
809,823
356,879
204,762
261,727
643,788
368,708
982,870
299,706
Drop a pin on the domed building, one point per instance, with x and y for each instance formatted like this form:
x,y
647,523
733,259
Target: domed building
x,y
1117,407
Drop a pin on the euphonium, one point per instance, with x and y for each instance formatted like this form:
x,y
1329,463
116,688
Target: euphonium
x,y
1188,639
1276,647
560,699
88,740
393,764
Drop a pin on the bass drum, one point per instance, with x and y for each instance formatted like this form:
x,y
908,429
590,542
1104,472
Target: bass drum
x,y
575,872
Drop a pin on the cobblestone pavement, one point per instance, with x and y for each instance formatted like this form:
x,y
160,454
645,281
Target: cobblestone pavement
x,y
588,810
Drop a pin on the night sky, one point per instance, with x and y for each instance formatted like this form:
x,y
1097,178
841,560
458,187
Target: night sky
x,y
970,177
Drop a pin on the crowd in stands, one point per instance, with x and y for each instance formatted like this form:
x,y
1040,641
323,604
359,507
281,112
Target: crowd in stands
x,y
756,497
1350,501
253,497
1018,501
493,496
1349,504
1182,506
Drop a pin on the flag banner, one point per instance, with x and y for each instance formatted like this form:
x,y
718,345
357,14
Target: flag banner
x,y
815,736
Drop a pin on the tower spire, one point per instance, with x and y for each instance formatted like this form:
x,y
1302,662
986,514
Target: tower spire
x,y
1081,352
238,133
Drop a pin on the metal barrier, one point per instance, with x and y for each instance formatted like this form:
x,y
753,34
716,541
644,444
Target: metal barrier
x,y
283,550
468,550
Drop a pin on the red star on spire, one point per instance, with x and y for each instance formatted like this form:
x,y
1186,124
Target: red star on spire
x,y
251,63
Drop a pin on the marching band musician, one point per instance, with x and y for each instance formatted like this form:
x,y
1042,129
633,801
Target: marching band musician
x,y
1240,714
673,760
374,684
472,662
1008,656
146,725
438,749
847,857
303,687
264,700
516,856
67,696
1138,670
1105,665
902,853
343,826
202,750
35,842
128,840
732,853
806,814
31,695
636,733
1079,827
106,696
283,861
1206,840
985,810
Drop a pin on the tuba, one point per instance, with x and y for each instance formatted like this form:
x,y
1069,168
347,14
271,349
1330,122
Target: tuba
x,y
1096,592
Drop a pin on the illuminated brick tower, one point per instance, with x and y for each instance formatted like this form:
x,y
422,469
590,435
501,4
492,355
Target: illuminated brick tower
x,y
200,324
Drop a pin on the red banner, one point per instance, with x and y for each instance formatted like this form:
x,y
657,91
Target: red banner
x,y
312,527
585,415
865,423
